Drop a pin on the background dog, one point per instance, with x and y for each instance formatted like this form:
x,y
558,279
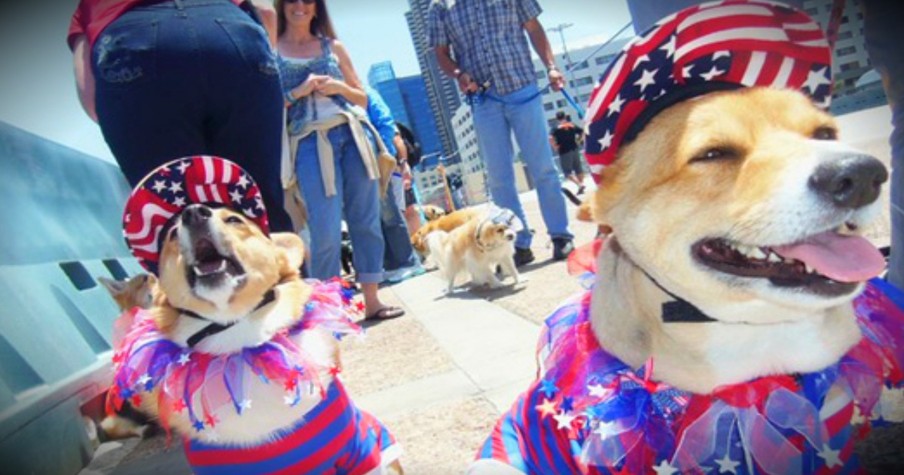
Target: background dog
x,y
432,213
478,246
444,223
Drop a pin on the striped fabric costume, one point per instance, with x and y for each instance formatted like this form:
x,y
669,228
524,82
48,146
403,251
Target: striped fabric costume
x,y
335,437
590,413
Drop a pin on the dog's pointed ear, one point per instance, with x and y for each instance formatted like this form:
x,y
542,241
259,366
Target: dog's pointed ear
x,y
293,248
115,287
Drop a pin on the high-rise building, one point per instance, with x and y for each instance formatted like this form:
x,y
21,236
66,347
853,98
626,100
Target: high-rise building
x,y
381,76
407,100
442,92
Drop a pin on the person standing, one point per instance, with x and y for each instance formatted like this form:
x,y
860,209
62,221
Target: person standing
x,y
564,138
333,161
172,78
483,46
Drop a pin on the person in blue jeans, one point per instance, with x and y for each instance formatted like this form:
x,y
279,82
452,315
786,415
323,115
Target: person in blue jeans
x,y
884,37
173,78
483,46
399,258
331,147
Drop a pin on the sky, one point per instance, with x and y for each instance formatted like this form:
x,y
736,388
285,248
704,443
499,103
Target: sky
x,y
37,87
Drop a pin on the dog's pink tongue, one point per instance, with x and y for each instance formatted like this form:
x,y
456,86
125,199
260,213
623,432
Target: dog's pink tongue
x,y
838,257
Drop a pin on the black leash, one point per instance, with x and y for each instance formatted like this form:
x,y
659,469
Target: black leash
x,y
215,327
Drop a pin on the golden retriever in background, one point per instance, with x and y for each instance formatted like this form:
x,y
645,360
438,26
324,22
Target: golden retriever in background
x,y
432,213
478,246
444,223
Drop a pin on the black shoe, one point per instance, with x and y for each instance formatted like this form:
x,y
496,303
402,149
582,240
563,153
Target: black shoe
x,y
561,248
523,255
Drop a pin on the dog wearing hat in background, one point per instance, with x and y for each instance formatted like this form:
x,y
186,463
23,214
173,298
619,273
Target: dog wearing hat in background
x,y
732,326
237,353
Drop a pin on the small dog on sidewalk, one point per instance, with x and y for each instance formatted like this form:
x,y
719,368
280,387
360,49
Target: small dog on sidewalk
x,y
480,245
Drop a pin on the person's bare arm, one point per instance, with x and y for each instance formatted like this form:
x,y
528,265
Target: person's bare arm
x,y
540,42
267,13
351,88
84,76
444,57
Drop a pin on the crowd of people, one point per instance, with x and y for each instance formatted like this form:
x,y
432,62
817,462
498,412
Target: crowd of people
x,y
172,78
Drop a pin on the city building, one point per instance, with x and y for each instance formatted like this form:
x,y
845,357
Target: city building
x,y
850,60
442,92
407,100
381,76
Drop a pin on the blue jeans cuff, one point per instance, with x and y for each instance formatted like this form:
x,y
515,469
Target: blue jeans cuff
x,y
369,278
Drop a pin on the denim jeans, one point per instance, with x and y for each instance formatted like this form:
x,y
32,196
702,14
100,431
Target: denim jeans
x,y
884,36
188,77
357,197
398,252
495,119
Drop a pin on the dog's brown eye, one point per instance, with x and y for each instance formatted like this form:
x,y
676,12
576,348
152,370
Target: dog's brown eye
x,y
825,133
234,220
715,153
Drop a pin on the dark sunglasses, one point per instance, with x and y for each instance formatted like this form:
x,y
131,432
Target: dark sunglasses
x,y
306,2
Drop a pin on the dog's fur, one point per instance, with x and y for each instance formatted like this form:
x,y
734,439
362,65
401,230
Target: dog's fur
x,y
478,246
432,213
193,278
660,203
136,291
734,166
444,223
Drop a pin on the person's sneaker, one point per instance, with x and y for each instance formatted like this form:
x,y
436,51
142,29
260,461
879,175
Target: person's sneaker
x,y
561,248
523,255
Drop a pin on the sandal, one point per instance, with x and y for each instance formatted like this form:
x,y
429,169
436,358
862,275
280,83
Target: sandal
x,y
386,313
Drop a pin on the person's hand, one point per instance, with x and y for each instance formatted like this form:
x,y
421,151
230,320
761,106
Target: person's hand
x,y
556,79
331,87
466,84
308,86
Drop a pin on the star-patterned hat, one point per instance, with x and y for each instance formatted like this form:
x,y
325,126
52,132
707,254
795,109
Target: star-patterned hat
x,y
709,47
167,190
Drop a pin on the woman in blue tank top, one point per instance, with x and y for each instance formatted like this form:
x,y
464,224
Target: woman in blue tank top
x,y
332,148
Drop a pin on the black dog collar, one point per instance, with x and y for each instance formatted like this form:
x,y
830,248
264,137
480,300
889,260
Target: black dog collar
x,y
215,327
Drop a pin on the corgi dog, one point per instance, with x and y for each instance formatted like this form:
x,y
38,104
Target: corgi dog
x,y
477,246
734,257
445,223
245,360
432,213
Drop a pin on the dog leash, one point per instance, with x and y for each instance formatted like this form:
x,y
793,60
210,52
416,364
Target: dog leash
x,y
215,327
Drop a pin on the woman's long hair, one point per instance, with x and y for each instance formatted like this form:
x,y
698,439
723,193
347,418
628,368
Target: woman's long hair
x,y
321,25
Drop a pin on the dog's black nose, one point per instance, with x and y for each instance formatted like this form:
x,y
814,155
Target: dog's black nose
x,y
195,214
851,181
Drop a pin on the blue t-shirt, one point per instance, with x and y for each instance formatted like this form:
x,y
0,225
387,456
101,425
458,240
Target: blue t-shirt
x,y
381,117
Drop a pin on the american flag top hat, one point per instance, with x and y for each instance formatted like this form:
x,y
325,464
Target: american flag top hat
x,y
709,47
167,190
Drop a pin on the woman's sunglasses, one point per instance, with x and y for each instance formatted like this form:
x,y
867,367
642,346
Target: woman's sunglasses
x,y
306,2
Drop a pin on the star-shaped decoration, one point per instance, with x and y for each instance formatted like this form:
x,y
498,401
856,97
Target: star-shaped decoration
x,y
244,405
686,71
198,425
563,420
709,75
548,408
548,388
669,47
606,429
175,187
598,390
235,196
249,212
178,406
727,465
211,420
183,166
335,370
259,203
159,185
290,384
243,181
184,358
143,380
567,404
664,468
179,201
816,79
136,400
647,77
830,456
212,436
606,141
615,105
